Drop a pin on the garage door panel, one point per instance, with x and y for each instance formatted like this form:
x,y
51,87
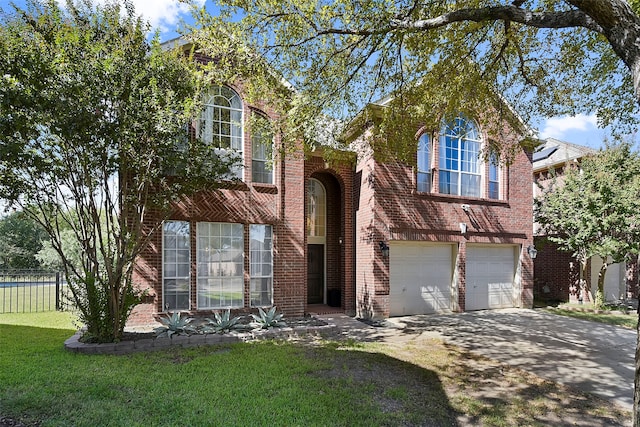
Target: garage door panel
x,y
489,277
420,278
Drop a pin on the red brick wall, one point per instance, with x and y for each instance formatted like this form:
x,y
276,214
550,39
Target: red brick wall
x,y
337,180
280,205
557,273
390,209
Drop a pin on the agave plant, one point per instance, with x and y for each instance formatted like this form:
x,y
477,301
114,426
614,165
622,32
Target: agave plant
x,y
266,320
222,323
174,325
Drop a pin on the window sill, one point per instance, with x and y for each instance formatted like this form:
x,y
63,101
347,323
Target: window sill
x,y
265,188
234,185
454,198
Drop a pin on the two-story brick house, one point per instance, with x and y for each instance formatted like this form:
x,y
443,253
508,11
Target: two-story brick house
x,y
369,238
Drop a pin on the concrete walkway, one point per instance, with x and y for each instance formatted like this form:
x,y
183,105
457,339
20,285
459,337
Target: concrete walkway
x,y
588,356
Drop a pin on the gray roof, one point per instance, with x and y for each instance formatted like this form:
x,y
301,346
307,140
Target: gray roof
x,y
554,152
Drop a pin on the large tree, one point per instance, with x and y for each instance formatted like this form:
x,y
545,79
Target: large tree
x,y
545,57
594,210
21,239
94,142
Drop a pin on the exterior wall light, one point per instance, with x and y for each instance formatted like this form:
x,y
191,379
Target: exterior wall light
x,y
531,250
384,248
463,227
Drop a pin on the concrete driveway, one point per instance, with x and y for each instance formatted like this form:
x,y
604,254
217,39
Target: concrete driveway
x,y
589,356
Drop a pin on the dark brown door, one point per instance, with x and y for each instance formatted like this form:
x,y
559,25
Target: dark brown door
x,y
315,274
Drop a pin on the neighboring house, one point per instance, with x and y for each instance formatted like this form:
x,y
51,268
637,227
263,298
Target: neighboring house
x,y
368,238
557,273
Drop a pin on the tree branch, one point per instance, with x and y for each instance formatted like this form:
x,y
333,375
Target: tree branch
x,y
565,19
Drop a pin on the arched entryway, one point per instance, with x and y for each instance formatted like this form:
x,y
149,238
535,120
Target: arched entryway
x,y
325,231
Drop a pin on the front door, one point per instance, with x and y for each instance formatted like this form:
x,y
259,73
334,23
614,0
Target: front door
x,y
315,274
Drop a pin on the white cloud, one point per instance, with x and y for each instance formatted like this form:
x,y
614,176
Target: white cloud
x,y
558,127
163,15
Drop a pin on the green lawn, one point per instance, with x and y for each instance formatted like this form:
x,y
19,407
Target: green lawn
x,y
308,383
618,319
25,299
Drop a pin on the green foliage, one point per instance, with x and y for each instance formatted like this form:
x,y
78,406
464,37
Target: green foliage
x,y
268,319
599,302
222,323
438,59
21,238
594,209
49,258
174,324
92,118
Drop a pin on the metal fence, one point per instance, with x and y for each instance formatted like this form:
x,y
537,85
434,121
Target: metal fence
x,y
27,291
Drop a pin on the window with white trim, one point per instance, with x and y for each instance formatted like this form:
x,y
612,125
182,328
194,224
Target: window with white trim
x,y
261,150
176,265
219,265
221,123
459,159
423,176
261,265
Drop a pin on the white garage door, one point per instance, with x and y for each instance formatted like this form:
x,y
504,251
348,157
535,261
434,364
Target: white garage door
x,y
614,286
420,278
490,273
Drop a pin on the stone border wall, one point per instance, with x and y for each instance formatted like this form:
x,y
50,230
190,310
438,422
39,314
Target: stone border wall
x,y
74,344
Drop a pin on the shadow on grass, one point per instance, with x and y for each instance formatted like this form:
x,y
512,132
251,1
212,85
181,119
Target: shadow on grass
x,y
489,351
258,383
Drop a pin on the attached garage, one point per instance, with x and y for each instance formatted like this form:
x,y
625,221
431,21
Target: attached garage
x,y
421,277
490,276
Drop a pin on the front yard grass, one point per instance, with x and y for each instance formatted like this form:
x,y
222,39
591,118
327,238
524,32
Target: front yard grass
x,y
625,320
308,382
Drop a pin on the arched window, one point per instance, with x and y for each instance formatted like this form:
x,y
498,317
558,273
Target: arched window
x,y
459,160
261,150
316,211
220,123
423,176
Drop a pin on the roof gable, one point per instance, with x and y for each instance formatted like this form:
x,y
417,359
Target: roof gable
x,y
554,152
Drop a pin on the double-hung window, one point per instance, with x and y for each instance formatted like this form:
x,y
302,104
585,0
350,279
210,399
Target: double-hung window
x,y
424,164
494,176
261,150
176,265
459,159
261,265
221,125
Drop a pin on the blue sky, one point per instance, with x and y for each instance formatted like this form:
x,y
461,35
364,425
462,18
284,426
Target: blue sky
x,y
165,15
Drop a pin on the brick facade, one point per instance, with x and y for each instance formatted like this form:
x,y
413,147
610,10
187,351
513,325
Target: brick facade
x,y
367,202
388,208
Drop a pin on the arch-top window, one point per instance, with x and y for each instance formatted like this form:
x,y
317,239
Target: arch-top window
x,y
424,164
459,160
220,123
316,209
261,150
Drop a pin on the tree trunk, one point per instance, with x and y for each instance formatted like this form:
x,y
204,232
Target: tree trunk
x,y
601,276
585,287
